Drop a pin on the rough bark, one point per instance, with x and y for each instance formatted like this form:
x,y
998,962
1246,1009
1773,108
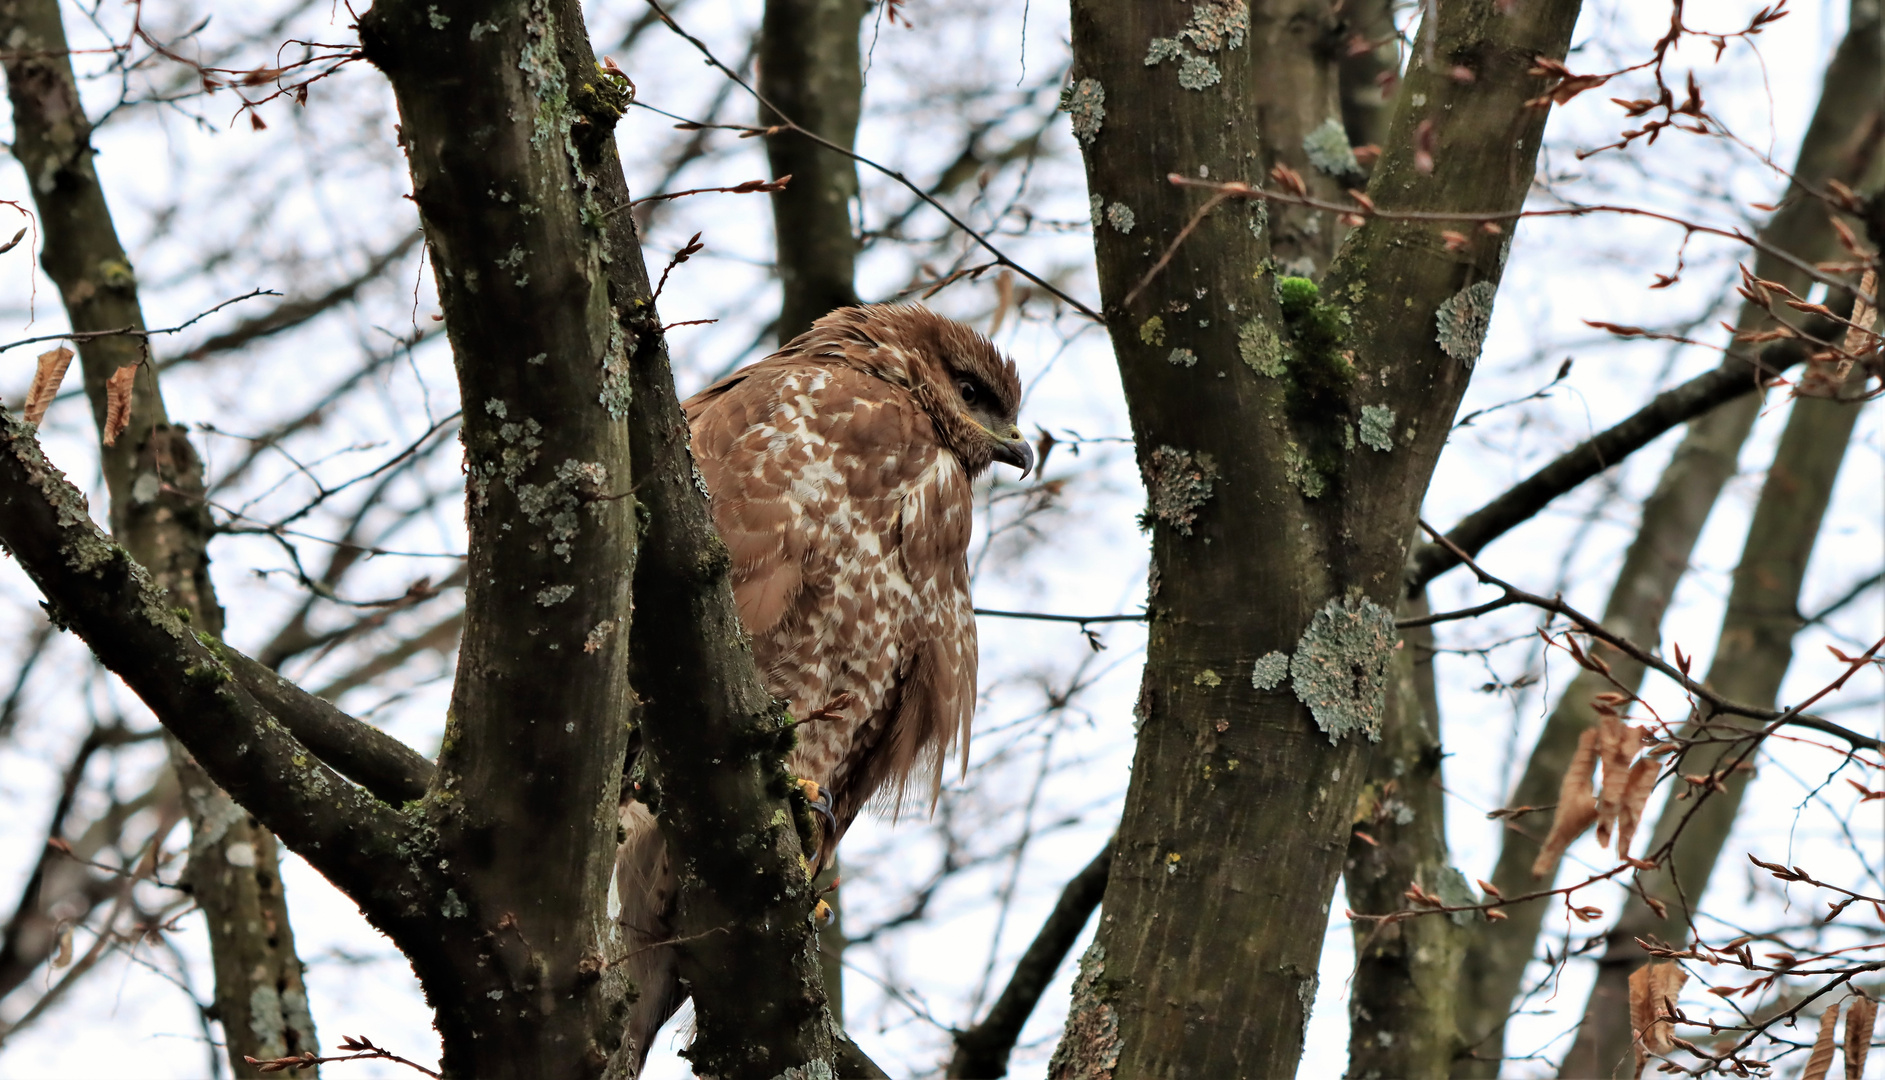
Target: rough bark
x,y
809,72
1368,74
506,120
1401,1007
1751,657
983,1050
1841,143
155,486
1275,529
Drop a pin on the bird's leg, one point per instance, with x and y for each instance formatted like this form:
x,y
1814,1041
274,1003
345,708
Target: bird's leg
x,y
820,803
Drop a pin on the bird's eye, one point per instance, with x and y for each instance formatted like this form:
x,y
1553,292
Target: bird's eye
x,y
967,389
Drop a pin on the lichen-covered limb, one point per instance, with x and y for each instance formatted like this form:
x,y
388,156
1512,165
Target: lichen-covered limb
x,y
552,325
391,770
96,590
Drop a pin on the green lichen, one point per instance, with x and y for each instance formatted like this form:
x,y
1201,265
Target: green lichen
x,y
116,274
1097,207
1377,427
1089,1045
453,907
1198,73
1183,358
206,676
1269,671
1217,24
1328,150
1340,667
1461,322
1300,470
1152,331
1085,103
1261,348
1177,483
1450,887
617,391
1163,49
1208,679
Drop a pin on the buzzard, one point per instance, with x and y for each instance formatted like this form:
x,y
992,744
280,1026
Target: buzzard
x,y
839,470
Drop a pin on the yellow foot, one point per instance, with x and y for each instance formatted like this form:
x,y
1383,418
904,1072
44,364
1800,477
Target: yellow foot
x,y
821,915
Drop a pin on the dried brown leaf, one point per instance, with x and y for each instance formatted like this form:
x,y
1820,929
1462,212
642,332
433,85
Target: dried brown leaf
x,y
1860,1018
1821,1060
1653,990
1616,745
118,402
1636,789
1577,807
52,366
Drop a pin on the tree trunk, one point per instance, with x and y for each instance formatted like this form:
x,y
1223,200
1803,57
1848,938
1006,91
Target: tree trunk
x,y
1751,659
809,73
1401,1021
155,485
1841,143
1278,526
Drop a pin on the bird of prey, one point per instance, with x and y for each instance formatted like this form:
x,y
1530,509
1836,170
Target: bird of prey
x,y
839,471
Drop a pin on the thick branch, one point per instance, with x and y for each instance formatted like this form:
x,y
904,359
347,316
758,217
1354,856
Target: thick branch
x,y
391,770
98,592
1674,406
983,1050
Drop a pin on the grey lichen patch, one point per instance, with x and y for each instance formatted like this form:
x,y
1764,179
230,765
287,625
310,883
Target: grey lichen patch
x,y
1183,358
1340,669
497,408
1306,994
598,636
1329,151
1269,671
1120,217
1085,103
1450,886
1260,348
1302,472
555,504
437,18
811,1070
1177,484
555,595
1097,207
1198,73
453,907
1152,331
1377,427
1089,1045
1162,49
616,389
1461,322
1217,24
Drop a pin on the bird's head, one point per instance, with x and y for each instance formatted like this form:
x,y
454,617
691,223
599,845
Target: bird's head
x,y
971,392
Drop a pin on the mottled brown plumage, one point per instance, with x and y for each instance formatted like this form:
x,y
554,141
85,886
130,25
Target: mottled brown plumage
x,y
840,471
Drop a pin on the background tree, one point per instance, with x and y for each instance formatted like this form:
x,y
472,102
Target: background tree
x,y
324,417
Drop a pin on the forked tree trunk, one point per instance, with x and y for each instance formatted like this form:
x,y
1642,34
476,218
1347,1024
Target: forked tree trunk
x,y
1285,451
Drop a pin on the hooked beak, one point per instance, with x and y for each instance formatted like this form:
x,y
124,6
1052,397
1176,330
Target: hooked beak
x,y
1016,452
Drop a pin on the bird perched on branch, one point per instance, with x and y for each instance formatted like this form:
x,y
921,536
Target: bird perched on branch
x,y
839,470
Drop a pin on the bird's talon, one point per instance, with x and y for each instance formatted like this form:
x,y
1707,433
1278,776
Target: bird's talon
x,y
821,804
